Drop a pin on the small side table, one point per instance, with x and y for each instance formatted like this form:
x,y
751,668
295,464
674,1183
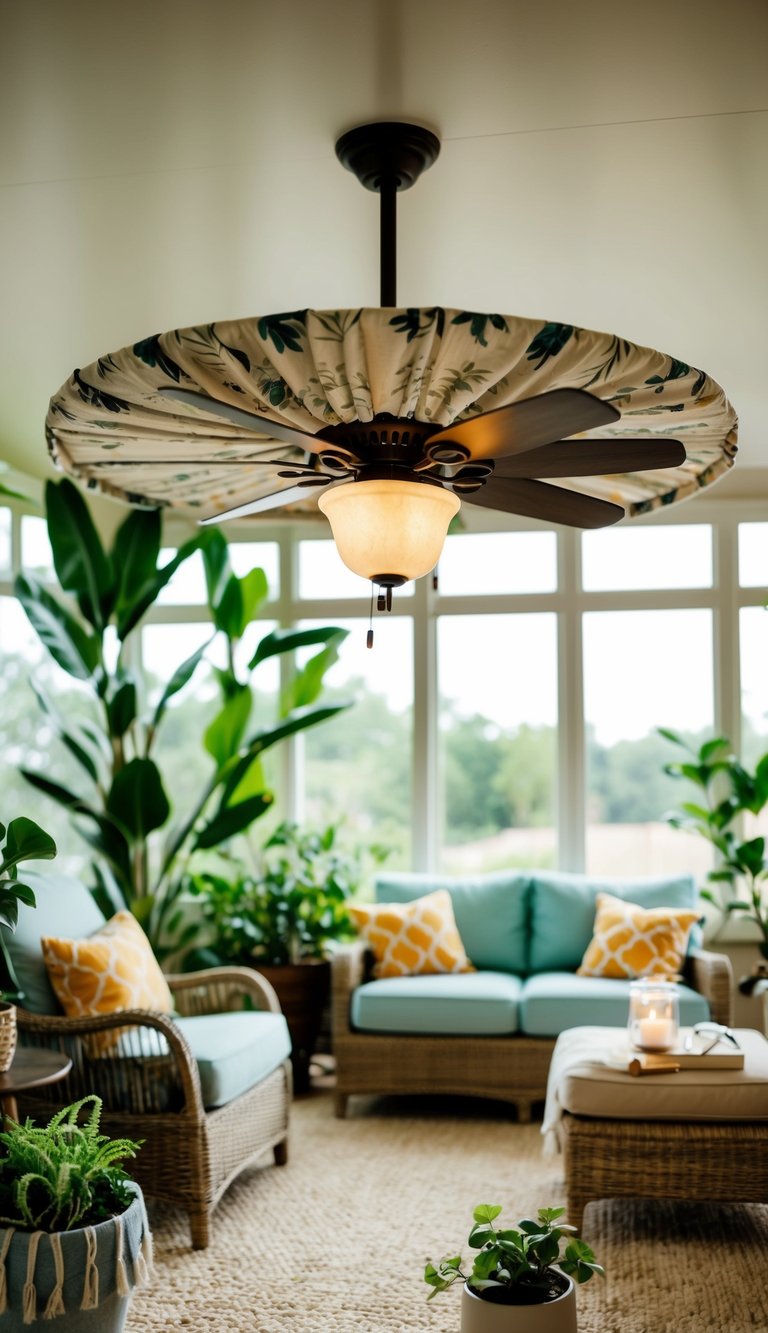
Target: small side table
x,y
31,1068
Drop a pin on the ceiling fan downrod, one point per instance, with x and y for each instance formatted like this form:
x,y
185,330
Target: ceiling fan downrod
x,y
388,156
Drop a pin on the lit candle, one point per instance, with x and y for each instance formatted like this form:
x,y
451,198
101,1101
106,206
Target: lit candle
x,y
655,1034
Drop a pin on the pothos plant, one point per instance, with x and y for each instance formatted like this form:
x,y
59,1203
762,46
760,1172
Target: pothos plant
x,y
728,791
288,907
520,1265
124,800
24,841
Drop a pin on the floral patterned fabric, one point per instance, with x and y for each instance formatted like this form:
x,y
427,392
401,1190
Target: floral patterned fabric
x,y
110,428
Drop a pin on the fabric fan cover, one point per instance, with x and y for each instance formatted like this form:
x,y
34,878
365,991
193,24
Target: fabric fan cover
x,y
110,428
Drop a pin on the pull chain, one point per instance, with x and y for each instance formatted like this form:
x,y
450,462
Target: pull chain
x,y
369,638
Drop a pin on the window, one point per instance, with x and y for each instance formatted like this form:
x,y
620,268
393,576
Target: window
x,y
497,740
498,562
358,765
620,559
642,670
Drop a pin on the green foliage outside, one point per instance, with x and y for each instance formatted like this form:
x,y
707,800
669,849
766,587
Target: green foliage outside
x,y
729,791
520,1258
290,906
120,799
63,1175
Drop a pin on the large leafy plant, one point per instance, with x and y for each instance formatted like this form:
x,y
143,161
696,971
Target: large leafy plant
x,y
63,1175
728,792
289,908
519,1262
24,841
124,799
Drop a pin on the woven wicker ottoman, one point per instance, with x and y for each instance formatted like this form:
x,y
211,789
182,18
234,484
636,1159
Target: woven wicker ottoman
x,y
694,1135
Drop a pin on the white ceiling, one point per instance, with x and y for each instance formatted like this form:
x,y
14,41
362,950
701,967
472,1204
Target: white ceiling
x,y
170,162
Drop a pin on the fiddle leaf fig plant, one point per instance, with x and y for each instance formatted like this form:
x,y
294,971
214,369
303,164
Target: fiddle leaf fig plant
x,y
522,1264
123,806
728,791
24,841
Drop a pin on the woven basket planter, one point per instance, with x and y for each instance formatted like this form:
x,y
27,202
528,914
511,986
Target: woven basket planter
x,y
7,1035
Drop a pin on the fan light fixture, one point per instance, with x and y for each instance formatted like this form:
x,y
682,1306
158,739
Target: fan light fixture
x,y
394,413
389,531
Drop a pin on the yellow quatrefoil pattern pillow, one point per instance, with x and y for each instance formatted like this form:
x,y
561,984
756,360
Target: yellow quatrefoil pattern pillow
x,y
631,941
110,970
411,939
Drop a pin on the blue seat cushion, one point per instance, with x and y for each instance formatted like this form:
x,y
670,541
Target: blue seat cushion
x,y
235,1051
563,911
550,1002
491,912
481,1004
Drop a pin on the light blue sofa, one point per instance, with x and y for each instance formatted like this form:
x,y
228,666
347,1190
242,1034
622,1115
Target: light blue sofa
x,y
491,1032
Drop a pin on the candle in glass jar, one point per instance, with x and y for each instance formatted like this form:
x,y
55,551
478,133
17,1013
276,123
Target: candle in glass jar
x,y
655,1034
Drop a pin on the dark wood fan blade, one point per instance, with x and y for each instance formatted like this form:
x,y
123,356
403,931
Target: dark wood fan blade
x,y
591,458
238,417
537,499
528,424
288,495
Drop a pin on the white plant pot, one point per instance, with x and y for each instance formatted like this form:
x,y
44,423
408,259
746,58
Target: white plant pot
x,y
558,1316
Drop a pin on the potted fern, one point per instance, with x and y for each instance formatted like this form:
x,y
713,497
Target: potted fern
x,y
74,1238
522,1279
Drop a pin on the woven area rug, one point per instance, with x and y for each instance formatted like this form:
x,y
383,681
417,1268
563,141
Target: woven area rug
x,y
335,1242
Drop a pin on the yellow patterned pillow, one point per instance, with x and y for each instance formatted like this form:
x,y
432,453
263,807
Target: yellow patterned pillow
x,y
410,939
112,969
632,941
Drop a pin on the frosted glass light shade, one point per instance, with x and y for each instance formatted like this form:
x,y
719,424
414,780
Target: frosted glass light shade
x,y
389,528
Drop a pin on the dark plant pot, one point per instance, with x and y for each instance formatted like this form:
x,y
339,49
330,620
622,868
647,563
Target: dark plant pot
x,y
484,1316
303,990
110,1312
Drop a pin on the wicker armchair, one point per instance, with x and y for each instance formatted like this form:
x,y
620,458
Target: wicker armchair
x,y
150,1086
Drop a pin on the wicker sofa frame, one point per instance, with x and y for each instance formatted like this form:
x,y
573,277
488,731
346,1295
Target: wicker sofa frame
x,y
150,1087
509,1068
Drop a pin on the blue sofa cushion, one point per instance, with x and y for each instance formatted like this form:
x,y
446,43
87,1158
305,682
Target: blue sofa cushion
x,y
563,911
235,1051
550,1002
483,1004
491,912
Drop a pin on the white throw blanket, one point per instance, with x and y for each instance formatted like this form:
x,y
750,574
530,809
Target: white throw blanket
x,y
574,1048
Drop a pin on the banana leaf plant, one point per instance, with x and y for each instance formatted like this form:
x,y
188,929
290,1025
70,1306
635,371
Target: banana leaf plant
x,y
123,808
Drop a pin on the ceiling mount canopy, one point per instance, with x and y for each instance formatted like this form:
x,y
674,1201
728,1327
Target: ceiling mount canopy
x,y
392,415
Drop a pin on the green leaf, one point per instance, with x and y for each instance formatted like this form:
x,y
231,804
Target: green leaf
x,y
307,683
255,589
215,551
135,553
26,841
710,748
132,612
62,795
70,646
179,679
80,746
231,820
81,564
486,1212
222,738
228,610
286,640
137,799
298,720
121,709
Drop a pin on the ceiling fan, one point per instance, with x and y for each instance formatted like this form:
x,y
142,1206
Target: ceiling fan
x,y
389,486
